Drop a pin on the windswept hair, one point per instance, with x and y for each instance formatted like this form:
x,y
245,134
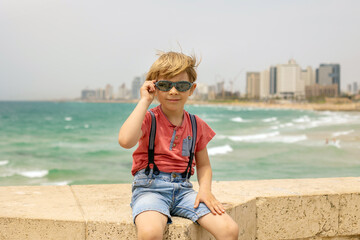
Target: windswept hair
x,y
170,64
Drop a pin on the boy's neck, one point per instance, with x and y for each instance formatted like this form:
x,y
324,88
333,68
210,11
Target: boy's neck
x,y
175,117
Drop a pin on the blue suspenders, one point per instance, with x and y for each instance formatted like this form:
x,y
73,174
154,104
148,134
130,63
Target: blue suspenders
x,y
187,172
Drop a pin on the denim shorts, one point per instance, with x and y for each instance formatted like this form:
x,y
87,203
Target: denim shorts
x,y
167,193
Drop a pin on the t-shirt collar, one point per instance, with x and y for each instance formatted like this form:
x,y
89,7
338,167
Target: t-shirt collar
x,y
170,124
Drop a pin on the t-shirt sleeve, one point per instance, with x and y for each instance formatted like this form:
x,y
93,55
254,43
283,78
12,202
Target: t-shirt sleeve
x,y
146,125
205,134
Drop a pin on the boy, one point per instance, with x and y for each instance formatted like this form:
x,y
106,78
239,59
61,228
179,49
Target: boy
x,y
161,188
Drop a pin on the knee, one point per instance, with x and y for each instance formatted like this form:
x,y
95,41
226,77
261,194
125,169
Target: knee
x,y
150,233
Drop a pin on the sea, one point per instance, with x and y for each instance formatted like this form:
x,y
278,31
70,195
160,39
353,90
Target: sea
x,y
71,143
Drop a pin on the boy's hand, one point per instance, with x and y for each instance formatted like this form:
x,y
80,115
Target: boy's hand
x,y
147,90
211,202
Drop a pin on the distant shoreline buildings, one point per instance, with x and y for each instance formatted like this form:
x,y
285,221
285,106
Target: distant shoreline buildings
x,y
289,81
108,92
283,81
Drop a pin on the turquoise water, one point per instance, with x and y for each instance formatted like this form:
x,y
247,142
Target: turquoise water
x,y
49,143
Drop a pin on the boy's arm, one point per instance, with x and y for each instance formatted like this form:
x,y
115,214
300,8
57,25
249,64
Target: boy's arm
x,y
204,175
130,132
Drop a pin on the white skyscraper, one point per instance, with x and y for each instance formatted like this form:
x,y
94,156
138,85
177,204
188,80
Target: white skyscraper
x,y
123,92
289,82
109,92
201,91
308,76
265,84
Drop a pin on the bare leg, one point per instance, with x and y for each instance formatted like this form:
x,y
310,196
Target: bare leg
x,y
150,225
223,227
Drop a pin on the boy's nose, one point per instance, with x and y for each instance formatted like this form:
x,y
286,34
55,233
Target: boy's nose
x,y
173,90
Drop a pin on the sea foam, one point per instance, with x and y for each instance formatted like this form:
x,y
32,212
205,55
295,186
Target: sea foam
x,y
326,119
269,119
219,150
4,162
34,174
253,138
289,139
239,119
336,134
302,119
63,183
269,137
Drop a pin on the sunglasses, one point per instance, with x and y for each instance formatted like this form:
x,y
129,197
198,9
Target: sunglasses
x,y
181,86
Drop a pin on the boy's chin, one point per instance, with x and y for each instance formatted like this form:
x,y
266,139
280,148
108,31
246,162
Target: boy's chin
x,y
173,106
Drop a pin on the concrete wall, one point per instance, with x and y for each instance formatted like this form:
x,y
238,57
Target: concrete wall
x,y
292,209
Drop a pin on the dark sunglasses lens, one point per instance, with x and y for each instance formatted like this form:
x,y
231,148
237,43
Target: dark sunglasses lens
x,y
163,85
183,86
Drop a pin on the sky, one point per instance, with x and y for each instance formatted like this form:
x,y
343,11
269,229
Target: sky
x,y
53,49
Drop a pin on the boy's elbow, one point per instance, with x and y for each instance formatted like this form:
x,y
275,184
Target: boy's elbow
x,y
125,143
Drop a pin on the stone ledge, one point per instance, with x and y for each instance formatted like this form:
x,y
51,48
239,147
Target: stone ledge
x,y
310,209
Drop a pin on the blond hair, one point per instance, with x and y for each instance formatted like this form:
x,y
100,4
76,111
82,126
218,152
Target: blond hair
x,y
170,64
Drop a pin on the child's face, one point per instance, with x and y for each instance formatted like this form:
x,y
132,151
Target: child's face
x,y
174,100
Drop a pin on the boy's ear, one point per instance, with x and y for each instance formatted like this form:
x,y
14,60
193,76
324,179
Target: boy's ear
x,y
192,89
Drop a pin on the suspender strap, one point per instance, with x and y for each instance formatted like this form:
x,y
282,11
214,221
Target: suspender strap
x,y
187,173
151,147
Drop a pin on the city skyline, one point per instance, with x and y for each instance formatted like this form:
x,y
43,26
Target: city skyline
x,y
270,83
53,50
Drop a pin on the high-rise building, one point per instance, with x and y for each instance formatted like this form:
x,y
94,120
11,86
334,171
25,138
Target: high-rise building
x,y
253,85
329,74
87,94
355,88
135,88
100,94
220,89
289,82
308,76
201,91
123,92
272,81
349,89
212,92
265,84
109,92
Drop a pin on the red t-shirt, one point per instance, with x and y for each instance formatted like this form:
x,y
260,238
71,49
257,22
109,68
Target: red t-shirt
x,y
172,143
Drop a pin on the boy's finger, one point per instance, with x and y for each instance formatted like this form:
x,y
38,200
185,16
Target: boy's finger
x,y
218,210
197,202
212,209
221,207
